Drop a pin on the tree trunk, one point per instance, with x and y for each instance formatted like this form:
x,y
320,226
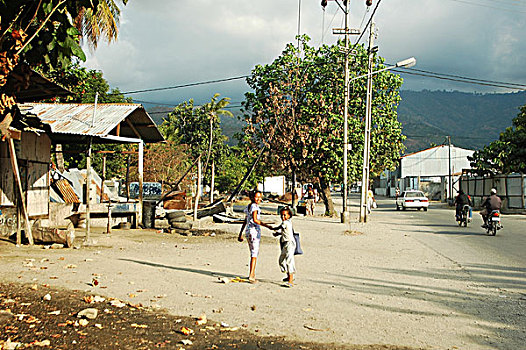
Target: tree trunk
x,y
325,192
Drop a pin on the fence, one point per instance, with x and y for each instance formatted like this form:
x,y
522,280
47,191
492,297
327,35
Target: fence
x,y
510,188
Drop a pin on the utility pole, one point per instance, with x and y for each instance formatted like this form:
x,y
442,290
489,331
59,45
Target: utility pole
x,y
346,32
367,132
450,184
345,213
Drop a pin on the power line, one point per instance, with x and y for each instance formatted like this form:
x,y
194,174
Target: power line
x,y
442,136
367,25
463,80
489,6
185,85
467,78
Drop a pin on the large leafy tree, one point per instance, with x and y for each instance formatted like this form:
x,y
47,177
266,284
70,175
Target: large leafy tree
x,y
46,35
199,128
40,33
507,154
85,84
296,111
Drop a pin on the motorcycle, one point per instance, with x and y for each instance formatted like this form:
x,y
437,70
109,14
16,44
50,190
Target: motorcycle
x,y
464,218
493,223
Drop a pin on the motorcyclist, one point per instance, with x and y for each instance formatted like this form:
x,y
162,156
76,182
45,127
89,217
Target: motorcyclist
x,y
461,200
493,202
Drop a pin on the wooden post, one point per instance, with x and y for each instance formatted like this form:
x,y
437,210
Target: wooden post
x,y
88,175
212,182
16,172
88,186
59,155
103,178
127,184
18,223
141,178
198,190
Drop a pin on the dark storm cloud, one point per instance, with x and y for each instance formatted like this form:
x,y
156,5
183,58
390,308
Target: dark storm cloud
x,y
168,43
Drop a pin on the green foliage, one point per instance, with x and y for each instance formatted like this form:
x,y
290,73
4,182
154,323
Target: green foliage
x,y
507,154
193,125
296,109
471,119
85,83
233,168
56,40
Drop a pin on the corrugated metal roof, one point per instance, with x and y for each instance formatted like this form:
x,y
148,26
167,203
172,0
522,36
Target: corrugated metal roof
x,y
78,119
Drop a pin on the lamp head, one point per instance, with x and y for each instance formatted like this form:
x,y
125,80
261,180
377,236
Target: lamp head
x,y
409,62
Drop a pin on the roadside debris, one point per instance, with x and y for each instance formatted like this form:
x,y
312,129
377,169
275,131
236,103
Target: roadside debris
x,y
89,313
201,320
311,328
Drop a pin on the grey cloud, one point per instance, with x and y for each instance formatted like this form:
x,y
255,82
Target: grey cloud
x,y
166,43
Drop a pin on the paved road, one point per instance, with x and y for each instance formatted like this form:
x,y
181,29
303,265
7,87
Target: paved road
x,y
501,257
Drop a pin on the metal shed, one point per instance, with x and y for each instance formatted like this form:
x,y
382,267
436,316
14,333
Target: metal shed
x,y
76,123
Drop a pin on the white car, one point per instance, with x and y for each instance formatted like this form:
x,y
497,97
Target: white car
x,y
412,199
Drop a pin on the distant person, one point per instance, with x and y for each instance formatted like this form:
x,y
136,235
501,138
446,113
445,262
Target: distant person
x,y
288,246
252,227
461,200
493,202
397,192
310,200
371,202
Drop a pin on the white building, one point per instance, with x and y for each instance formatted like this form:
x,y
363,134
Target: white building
x,y
429,170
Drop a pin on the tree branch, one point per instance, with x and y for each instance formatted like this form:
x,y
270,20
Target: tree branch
x,y
41,26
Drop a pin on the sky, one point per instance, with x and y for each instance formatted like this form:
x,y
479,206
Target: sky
x,y
166,43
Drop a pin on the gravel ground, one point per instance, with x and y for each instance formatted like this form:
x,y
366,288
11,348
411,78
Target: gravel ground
x,y
372,287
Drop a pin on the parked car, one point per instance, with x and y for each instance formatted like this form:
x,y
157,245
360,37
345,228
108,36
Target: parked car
x,y
412,199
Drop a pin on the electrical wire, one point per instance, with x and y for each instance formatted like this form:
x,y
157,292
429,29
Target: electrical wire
x,y
489,6
367,25
467,78
185,85
464,80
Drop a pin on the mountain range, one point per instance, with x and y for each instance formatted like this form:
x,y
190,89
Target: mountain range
x,y
471,119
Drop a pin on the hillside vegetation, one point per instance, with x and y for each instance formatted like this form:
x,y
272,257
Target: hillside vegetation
x,y
471,119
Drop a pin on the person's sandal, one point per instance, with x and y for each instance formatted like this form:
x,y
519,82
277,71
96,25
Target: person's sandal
x,y
252,280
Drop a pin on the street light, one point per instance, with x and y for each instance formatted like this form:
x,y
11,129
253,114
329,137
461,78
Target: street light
x,y
409,62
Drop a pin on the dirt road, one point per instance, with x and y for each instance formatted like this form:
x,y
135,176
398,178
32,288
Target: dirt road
x,y
372,285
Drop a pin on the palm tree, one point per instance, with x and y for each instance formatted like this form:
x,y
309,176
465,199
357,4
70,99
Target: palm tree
x,y
103,23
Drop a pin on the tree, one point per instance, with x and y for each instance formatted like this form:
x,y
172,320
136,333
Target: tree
x,y
103,22
85,84
165,162
232,169
198,127
40,33
507,154
296,111
44,35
